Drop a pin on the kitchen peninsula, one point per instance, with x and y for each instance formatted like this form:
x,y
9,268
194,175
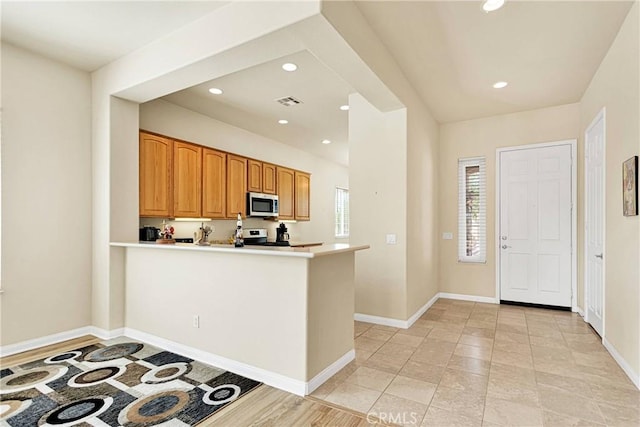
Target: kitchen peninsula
x,y
283,316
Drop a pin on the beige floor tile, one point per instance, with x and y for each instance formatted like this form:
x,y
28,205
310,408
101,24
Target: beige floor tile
x,y
484,317
481,324
437,344
465,381
546,333
509,337
433,356
548,342
571,385
516,329
422,371
557,367
601,360
551,419
463,314
421,323
469,364
404,339
575,328
370,378
513,391
400,411
416,331
507,413
386,328
512,347
482,353
452,320
437,417
479,332
466,403
444,335
325,389
551,354
362,355
620,415
385,362
377,334
486,343
513,359
615,396
367,344
354,397
566,403
400,351
412,389
455,327
361,327
522,377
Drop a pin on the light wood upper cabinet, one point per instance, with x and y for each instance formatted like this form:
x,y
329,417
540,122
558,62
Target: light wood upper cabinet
x,y
236,186
302,196
254,182
285,184
187,180
214,183
156,154
269,178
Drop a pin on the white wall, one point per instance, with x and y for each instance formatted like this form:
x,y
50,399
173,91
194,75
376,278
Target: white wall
x,y
46,197
615,86
169,119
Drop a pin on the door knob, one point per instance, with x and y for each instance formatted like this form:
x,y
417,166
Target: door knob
x,y
504,237
599,256
505,246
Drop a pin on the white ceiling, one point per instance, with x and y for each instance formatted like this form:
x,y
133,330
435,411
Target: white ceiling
x,y
249,102
90,34
450,51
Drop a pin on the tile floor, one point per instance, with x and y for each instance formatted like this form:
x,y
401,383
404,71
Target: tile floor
x,y
472,364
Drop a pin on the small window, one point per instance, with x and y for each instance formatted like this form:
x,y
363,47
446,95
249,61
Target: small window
x,y
342,212
472,210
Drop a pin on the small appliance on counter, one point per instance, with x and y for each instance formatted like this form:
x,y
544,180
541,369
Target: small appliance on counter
x,y
258,236
149,234
262,205
282,234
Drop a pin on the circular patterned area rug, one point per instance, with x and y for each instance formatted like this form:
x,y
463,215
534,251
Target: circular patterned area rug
x,y
121,383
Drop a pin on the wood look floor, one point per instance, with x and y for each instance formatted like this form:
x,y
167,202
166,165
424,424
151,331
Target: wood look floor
x,y
264,406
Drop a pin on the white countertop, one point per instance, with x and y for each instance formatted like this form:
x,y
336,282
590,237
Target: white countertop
x,y
307,252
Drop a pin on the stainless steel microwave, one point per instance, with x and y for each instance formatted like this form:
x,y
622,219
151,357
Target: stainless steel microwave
x,y
262,205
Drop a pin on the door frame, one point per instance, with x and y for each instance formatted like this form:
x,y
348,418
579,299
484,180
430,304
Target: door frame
x,y
602,115
574,216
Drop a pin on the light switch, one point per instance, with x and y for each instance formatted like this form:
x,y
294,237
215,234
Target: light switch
x,y
447,236
391,239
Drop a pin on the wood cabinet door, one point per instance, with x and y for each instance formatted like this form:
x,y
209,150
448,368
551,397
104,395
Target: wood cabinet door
x,y
156,154
269,178
214,184
187,180
303,196
254,182
285,185
236,186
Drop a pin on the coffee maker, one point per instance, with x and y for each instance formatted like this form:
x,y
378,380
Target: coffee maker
x,y
282,234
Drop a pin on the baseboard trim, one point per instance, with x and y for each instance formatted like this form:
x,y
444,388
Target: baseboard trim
x,y
330,371
32,344
422,310
405,324
103,334
474,298
258,374
633,376
378,320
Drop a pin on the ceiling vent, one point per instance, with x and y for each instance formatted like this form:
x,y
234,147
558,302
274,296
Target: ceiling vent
x,y
289,101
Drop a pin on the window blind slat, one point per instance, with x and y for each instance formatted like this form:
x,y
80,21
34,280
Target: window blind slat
x,y
472,210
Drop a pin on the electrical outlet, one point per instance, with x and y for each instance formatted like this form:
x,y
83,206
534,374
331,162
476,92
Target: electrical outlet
x,y
447,235
391,239
196,321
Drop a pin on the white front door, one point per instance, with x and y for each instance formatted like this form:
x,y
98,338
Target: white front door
x,y
594,223
535,225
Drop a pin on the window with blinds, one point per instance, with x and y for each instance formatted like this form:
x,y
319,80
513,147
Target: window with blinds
x,y
472,210
342,212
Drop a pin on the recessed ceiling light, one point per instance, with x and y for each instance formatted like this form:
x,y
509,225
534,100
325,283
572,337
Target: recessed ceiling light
x,y
500,85
289,66
215,91
344,107
326,141
283,121
491,5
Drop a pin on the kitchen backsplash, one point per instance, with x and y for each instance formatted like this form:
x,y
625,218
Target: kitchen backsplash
x,y
222,229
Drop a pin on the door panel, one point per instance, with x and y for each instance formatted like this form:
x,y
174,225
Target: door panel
x,y
594,224
535,225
